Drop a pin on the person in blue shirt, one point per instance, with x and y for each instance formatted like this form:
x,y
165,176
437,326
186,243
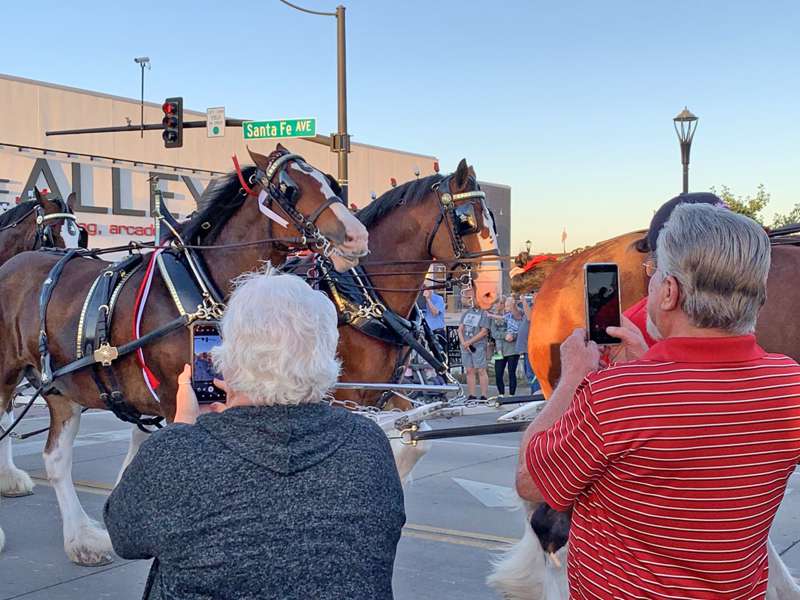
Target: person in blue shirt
x,y
433,309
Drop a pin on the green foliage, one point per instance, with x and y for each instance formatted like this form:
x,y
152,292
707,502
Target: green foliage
x,y
793,216
750,206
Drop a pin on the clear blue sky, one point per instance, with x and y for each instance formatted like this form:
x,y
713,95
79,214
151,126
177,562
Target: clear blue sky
x,y
570,103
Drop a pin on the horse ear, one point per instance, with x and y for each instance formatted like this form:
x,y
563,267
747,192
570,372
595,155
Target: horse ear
x,y
471,172
72,201
39,197
259,159
462,173
281,147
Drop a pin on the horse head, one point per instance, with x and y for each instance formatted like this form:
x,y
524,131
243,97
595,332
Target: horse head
x,y
469,234
310,201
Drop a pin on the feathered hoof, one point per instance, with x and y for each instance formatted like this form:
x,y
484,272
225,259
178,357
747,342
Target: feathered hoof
x,y
15,483
91,547
2,540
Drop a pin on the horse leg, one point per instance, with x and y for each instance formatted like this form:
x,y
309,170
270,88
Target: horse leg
x,y
524,573
85,541
14,482
137,437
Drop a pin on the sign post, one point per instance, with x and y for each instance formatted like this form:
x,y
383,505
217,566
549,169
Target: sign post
x,y
283,128
215,122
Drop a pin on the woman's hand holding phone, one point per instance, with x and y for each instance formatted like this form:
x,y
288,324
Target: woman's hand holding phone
x,y
187,408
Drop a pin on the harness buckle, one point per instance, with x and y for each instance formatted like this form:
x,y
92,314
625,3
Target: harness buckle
x,y
106,354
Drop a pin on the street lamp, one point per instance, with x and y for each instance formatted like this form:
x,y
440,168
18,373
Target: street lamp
x,y
340,141
685,126
142,61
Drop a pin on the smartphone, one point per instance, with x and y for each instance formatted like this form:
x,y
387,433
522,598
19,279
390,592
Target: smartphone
x,y
602,301
205,336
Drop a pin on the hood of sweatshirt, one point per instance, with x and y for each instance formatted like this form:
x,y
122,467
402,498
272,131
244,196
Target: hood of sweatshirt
x,y
284,439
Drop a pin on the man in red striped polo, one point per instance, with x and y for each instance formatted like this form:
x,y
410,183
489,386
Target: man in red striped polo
x,y
675,463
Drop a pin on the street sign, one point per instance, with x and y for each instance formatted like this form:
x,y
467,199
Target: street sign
x,y
285,128
215,121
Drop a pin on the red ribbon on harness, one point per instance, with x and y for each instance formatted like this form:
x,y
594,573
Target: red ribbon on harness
x,y
238,169
154,382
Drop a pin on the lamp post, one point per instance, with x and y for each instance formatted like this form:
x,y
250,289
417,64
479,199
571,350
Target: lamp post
x,y
528,246
340,141
142,61
685,126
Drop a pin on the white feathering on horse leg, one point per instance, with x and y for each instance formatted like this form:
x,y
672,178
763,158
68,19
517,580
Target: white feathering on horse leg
x,y
781,585
523,573
85,541
13,481
2,540
137,437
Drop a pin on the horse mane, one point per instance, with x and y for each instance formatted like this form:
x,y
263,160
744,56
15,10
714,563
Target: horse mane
x,y
12,214
409,193
220,200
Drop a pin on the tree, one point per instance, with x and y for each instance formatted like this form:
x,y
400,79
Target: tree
x,y
749,206
793,216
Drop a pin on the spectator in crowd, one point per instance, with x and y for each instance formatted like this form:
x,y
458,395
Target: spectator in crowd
x,y
473,332
526,307
275,494
504,329
434,310
674,463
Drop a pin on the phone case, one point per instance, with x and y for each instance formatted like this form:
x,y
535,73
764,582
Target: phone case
x,y
586,298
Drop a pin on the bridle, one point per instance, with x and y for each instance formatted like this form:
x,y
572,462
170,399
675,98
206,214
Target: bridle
x,y
286,194
458,211
44,234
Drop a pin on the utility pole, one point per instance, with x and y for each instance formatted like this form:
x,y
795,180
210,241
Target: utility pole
x,y
142,61
339,141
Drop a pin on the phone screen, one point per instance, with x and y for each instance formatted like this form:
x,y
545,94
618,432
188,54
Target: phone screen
x,y
602,301
205,336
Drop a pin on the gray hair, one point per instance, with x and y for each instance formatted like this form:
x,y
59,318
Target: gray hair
x,y
279,340
721,261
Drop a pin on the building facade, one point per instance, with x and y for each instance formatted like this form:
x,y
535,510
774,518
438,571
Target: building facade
x,y
111,173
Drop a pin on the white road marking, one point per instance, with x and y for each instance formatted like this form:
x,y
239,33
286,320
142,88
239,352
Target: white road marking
x,y
88,439
490,495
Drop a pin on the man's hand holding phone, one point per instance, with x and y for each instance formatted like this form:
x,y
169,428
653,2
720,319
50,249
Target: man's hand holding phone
x,y
633,345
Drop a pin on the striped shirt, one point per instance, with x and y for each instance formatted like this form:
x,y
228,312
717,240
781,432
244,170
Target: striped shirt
x,y
674,466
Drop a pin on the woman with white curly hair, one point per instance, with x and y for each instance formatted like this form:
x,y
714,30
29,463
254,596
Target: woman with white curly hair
x,y
274,494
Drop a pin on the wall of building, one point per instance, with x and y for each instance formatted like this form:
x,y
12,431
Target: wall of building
x,y
110,171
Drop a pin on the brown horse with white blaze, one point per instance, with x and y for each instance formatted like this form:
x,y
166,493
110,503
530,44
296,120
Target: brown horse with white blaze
x,y
242,237
409,230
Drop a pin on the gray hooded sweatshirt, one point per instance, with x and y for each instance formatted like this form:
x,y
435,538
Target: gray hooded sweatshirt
x,y
283,503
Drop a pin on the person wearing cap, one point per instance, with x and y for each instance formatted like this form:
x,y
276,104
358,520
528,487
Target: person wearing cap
x,y
675,462
637,313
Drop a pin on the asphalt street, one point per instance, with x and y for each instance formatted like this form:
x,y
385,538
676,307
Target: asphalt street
x,y
459,506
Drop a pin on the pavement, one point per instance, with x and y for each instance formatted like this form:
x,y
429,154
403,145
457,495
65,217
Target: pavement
x,y
459,507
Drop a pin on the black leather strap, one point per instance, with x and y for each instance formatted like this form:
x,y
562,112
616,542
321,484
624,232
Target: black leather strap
x,y
44,300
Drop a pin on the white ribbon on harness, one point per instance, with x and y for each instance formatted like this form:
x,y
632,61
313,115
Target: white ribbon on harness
x,y
268,212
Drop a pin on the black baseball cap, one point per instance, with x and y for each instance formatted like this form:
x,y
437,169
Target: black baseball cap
x,y
663,214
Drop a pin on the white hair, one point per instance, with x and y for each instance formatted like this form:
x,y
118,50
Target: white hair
x,y
279,340
721,261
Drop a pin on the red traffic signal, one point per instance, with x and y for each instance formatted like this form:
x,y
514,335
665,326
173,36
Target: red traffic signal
x,y
172,122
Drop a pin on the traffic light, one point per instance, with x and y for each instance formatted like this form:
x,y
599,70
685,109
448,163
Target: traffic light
x,y
173,122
